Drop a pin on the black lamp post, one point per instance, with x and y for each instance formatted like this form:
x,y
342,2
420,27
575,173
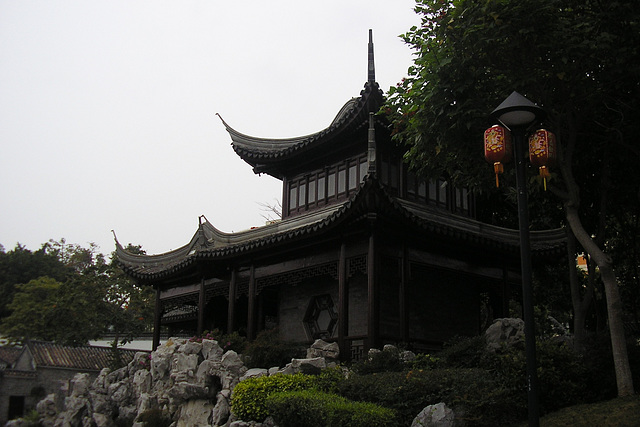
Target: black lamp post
x,y
518,114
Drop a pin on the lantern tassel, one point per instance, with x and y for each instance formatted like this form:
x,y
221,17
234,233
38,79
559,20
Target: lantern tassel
x,y
498,169
544,173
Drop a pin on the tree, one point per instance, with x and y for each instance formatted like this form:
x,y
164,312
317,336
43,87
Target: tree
x,y
66,313
21,265
580,61
92,298
129,306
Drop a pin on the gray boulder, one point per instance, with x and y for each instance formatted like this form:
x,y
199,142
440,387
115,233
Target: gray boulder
x,y
504,332
438,415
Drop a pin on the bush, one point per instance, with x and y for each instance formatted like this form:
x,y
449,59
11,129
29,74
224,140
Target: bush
x,y
248,401
310,408
462,352
474,391
382,361
423,361
269,350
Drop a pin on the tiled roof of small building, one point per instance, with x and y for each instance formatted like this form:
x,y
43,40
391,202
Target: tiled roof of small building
x,y
210,243
46,354
8,355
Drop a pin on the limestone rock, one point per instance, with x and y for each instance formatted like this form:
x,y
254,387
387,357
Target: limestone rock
x,y
311,366
221,411
211,350
407,356
191,347
142,382
182,362
232,363
47,410
80,385
254,373
183,392
372,352
438,415
324,349
504,332
195,413
191,383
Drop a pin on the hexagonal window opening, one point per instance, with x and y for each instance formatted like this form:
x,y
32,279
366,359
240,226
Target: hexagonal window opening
x,y
320,318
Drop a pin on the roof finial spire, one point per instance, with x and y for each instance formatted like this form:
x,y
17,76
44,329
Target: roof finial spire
x,y
372,66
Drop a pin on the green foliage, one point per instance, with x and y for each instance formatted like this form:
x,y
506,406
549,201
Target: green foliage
x,y
620,412
306,408
424,361
462,352
49,310
268,349
83,299
32,418
154,418
474,390
382,361
249,397
329,379
20,266
310,408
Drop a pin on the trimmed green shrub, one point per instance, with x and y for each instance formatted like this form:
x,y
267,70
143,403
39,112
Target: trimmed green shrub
x,y
248,400
329,379
306,408
268,349
311,408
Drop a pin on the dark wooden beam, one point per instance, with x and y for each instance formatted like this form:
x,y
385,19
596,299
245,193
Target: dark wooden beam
x,y
343,302
201,307
404,279
251,316
231,312
157,317
372,313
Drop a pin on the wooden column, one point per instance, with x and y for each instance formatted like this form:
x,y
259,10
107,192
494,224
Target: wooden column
x,y
201,307
404,279
372,313
157,317
251,316
343,304
506,293
231,312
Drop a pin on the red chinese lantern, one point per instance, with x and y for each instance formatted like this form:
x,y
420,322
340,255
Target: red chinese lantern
x,y
542,152
497,148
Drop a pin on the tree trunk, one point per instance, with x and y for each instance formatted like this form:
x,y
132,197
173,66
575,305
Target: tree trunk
x,y
624,379
580,302
614,304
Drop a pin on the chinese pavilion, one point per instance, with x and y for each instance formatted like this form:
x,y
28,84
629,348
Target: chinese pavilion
x,y
365,253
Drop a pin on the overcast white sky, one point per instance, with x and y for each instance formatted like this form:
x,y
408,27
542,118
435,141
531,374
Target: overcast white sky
x,y
107,108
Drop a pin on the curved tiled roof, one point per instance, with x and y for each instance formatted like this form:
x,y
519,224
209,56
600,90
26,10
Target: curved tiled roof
x,y
210,243
92,358
263,153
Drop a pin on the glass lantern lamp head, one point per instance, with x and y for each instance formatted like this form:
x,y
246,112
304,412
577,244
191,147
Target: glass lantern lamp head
x,y
518,112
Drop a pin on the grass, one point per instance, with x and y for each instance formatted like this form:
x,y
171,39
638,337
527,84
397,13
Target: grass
x,y
619,412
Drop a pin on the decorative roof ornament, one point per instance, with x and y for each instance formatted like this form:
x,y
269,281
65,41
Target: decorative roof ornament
x,y
372,66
